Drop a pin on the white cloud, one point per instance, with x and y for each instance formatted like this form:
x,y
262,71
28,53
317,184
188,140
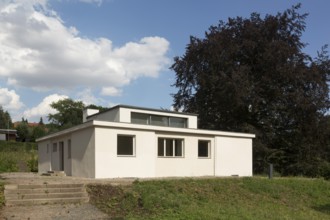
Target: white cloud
x,y
98,2
38,51
9,100
110,91
87,97
43,109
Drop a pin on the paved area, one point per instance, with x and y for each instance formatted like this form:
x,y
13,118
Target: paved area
x,y
64,211
35,178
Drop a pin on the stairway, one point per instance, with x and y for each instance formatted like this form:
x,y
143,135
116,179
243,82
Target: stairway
x,y
45,194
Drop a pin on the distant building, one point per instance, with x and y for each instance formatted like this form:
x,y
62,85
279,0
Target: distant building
x,y
128,141
8,135
29,124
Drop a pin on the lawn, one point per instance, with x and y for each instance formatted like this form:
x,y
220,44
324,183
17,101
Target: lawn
x,y
216,198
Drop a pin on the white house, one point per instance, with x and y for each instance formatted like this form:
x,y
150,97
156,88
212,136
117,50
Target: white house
x,y
127,141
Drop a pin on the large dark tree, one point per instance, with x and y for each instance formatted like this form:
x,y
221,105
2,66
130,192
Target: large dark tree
x,y
251,75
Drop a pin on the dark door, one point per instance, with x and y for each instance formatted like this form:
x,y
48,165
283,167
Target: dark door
x,y
61,156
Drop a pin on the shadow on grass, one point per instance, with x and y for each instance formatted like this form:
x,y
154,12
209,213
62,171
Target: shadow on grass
x,y
323,208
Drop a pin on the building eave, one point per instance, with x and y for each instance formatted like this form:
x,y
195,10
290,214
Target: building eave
x,y
129,126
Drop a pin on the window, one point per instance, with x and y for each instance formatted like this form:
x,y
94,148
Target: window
x,y
138,118
54,147
125,145
178,122
204,149
69,149
158,120
168,147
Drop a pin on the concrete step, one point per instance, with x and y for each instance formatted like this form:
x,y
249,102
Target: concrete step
x,y
27,202
54,173
44,190
45,194
43,186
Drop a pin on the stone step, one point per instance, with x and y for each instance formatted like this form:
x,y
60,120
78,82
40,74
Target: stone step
x,y
45,194
54,173
43,186
43,190
47,201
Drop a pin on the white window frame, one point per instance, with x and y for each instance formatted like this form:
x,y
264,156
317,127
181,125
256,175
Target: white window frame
x,y
133,143
208,149
165,139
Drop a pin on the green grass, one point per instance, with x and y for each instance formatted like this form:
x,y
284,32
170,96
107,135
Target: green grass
x,y
18,156
216,198
2,197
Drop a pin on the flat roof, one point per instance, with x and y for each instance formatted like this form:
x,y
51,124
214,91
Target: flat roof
x,y
6,131
129,126
142,108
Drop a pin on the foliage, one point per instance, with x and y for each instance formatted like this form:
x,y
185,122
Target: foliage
x,y
5,119
250,75
216,198
100,108
23,130
2,195
32,163
18,156
38,132
8,163
69,113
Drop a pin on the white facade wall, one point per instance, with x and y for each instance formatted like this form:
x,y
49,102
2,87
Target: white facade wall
x,y
43,157
112,115
233,156
82,161
83,153
189,164
110,165
94,152
3,137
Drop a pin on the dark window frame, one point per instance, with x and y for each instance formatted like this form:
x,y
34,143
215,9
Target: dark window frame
x,y
201,153
120,140
170,147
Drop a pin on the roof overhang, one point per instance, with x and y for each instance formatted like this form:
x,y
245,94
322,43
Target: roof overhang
x,y
128,126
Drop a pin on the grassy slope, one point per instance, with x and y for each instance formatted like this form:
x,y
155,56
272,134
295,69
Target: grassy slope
x,y
222,198
15,156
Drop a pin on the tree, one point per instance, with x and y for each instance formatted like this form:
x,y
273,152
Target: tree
x,y
41,121
5,119
69,113
100,108
38,132
23,131
250,75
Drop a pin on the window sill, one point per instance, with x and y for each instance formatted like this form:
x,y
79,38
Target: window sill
x,y
168,157
126,156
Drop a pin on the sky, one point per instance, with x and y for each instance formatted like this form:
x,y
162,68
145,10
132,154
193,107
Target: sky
x,y
109,52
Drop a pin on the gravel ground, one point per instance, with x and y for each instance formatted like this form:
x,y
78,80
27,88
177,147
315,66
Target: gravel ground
x,y
64,211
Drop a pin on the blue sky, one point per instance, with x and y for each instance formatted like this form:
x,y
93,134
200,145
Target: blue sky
x,y
113,51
